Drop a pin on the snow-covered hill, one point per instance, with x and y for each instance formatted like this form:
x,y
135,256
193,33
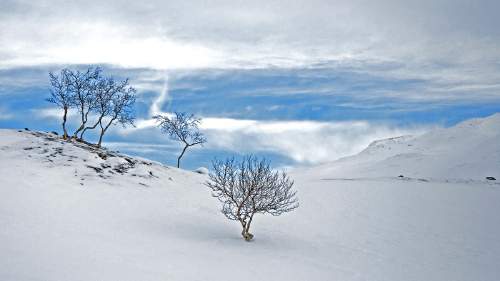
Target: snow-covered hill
x,y
68,212
469,151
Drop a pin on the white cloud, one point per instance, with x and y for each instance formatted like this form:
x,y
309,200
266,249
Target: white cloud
x,y
98,43
49,113
451,44
449,34
306,142
138,147
160,100
54,113
226,124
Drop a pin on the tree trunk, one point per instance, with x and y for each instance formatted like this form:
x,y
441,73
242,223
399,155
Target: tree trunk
x,y
75,135
83,132
248,236
65,132
246,228
180,156
82,126
100,137
103,131
92,127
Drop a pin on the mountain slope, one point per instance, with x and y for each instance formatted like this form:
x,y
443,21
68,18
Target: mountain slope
x,y
467,151
68,212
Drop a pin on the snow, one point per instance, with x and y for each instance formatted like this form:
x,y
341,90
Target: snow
x,y
470,151
63,219
202,170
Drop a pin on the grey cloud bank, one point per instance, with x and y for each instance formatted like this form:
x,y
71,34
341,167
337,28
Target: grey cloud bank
x,y
242,33
452,44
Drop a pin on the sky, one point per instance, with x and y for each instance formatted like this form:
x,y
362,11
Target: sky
x,y
300,82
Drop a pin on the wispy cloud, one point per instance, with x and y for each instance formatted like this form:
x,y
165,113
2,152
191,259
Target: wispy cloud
x,y
306,142
448,36
142,148
53,113
162,98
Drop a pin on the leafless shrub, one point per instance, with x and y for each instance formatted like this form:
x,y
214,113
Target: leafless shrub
x,y
94,96
61,95
82,86
181,127
120,109
248,187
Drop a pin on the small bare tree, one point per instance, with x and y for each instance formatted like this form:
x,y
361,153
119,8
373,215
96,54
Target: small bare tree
x,y
183,128
249,187
61,95
82,85
104,91
119,109
93,94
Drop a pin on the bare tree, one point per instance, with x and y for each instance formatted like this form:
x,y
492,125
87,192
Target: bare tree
x,y
183,128
119,109
61,95
249,187
111,102
82,85
104,91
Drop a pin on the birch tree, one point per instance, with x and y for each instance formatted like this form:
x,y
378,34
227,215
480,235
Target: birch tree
x,y
181,127
61,96
120,109
249,187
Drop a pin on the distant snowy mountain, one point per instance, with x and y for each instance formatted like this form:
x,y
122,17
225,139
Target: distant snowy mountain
x,y
467,151
70,212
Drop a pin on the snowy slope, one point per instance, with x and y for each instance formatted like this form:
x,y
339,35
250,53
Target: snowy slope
x,y
70,213
469,151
